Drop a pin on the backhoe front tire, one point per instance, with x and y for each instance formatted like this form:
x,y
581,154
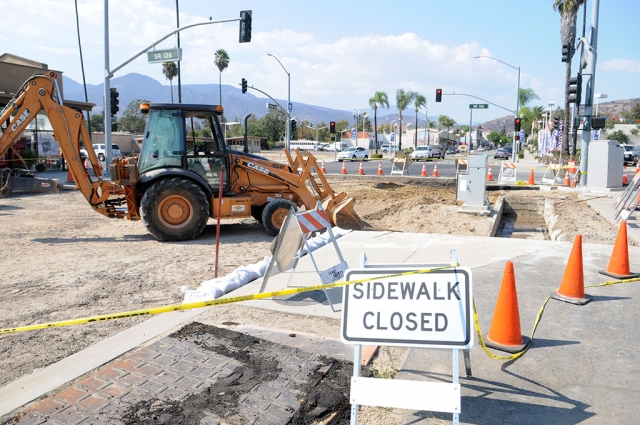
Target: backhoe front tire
x,y
174,209
274,214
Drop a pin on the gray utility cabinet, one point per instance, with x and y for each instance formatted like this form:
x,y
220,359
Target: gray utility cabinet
x,y
471,185
604,169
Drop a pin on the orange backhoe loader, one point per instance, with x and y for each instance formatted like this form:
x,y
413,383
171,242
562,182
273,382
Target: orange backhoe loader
x,y
173,184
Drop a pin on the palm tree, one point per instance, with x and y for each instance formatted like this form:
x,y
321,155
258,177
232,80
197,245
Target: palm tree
x,y
445,121
527,96
403,99
568,19
170,70
222,62
380,98
418,102
430,124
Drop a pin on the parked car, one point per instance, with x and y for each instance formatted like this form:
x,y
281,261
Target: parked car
x,y
101,151
323,147
451,151
501,153
481,149
353,154
426,152
629,156
386,148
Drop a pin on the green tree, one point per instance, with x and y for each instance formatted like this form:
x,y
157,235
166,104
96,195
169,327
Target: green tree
x,y
530,118
379,98
418,102
619,136
222,62
634,113
403,100
170,70
568,19
494,137
132,120
97,122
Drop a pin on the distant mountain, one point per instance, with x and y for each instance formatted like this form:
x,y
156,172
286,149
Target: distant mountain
x,y
498,124
237,105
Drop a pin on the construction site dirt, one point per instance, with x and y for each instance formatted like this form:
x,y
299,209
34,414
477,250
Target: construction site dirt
x,y
63,261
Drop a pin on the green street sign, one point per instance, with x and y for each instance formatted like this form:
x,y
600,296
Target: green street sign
x,y
167,55
478,106
272,106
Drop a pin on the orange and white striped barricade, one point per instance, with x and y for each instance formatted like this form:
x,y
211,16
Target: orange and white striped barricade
x,y
461,166
551,175
507,172
287,248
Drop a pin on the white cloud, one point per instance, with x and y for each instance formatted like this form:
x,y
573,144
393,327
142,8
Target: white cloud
x,y
342,73
630,66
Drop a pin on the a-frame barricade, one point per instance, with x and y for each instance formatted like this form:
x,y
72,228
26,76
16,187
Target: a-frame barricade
x,y
287,248
507,172
406,394
552,175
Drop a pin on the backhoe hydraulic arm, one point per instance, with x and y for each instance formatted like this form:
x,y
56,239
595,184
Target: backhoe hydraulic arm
x,y
39,93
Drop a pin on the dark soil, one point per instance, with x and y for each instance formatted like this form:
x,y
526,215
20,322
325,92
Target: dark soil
x,y
324,393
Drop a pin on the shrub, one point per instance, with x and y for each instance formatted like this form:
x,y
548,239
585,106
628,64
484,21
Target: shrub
x,y
376,156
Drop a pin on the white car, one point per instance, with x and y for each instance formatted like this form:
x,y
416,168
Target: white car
x,y
426,152
353,154
101,151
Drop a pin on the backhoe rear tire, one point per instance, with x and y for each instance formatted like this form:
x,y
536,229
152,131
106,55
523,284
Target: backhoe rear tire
x,y
274,214
174,209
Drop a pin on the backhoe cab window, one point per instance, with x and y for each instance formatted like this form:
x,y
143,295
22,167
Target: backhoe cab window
x,y
163,143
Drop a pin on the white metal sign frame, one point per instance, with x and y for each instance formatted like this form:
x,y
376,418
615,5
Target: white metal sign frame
x,y
419,395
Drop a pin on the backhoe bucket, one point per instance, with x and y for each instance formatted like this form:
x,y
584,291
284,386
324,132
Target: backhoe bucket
x,y
341,212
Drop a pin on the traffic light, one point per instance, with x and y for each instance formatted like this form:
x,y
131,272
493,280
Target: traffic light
x,y
517,137
245,26
332,127
438,95
294,126
244,86
566,52
114,101
517,123
574,94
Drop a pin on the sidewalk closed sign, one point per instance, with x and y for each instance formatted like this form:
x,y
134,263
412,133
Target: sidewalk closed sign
x,y
414,310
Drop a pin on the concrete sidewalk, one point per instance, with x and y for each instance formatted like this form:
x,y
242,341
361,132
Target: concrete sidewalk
x,y
582,367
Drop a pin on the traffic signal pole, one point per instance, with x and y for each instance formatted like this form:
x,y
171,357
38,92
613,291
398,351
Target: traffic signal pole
x,y
589,78
108,74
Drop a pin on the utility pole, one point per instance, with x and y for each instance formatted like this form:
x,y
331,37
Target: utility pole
x,y
107,92
178,34
589,79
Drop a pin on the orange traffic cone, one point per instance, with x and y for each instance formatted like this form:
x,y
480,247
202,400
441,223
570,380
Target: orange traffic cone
x,y
532,179
619,263
424,170
567,180
625,178
435,171
323,169
344,168
361,170
490,175
380,173
572,285
70,177
637,167
505,331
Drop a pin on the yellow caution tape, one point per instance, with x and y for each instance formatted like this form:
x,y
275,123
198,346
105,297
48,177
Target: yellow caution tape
x,y
535,325
200,304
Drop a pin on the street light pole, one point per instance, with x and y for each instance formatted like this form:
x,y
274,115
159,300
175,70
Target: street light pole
x,y
288,131
517,98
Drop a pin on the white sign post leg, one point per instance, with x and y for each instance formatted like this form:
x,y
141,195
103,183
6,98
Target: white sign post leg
x,y
456,373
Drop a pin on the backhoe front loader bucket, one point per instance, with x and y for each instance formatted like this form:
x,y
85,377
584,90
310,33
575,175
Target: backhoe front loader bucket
x,y
341,212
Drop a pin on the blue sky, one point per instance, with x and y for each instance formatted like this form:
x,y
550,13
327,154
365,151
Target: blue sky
x,y
339,53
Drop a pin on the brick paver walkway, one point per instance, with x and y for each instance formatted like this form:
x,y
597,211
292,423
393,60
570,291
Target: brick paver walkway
x,y
169,380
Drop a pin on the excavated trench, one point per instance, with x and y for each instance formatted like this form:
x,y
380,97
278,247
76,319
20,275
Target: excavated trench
x,y
523,218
